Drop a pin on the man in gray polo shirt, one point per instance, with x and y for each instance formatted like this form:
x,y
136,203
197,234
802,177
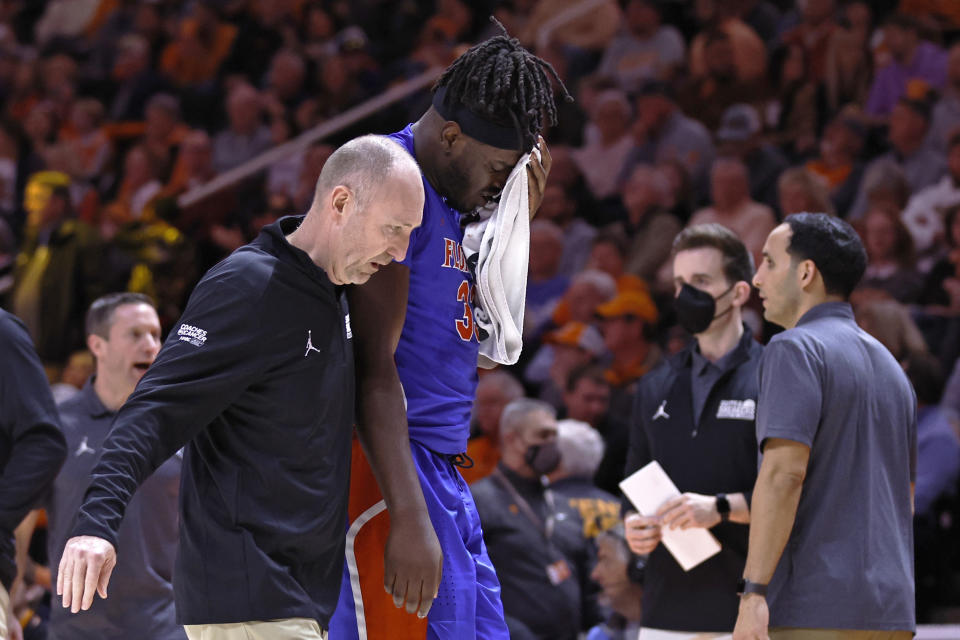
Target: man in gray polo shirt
x,y
123,333
831,523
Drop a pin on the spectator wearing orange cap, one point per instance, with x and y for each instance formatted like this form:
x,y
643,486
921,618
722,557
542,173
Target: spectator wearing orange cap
x,y
628,322
572,345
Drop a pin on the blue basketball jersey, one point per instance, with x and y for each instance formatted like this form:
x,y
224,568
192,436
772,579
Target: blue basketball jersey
x,y
437,354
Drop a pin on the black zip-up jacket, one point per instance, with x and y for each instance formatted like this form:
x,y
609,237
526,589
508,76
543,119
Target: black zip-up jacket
x,y
713,454
257,380
32,447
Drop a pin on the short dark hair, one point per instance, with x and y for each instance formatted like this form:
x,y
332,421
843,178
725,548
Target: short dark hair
x,y
503,82
613,236
588,371
832,245
737,261
100,314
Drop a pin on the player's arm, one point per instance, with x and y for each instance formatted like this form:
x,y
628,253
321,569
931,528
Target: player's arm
x,y
413,558
775,500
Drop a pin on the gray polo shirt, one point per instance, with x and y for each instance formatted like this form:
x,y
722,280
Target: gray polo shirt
x,y
848,563
704,375
140,603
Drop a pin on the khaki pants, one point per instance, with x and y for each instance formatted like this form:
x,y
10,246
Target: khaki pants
x,y
4,610
646,633
286,629
793,633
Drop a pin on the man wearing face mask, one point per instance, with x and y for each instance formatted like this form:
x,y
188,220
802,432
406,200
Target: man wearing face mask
x,y
695,416
534,540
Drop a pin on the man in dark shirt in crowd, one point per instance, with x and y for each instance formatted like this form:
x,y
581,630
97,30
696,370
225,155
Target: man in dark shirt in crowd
x,y
257,380
534,539
695,416
587,398
123,334
31,444
831,529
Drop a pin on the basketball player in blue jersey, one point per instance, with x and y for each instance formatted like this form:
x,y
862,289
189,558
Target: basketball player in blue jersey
x,y
416,349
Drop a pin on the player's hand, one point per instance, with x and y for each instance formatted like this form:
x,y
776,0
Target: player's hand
x,y
642,533
753,619
690,510
85,569
537,172
413,563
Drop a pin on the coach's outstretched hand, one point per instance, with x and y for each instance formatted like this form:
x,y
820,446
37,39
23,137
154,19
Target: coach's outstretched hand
x,y
85,568
413,563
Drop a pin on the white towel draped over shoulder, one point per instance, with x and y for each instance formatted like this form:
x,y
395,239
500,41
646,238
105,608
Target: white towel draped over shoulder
x,y
499,246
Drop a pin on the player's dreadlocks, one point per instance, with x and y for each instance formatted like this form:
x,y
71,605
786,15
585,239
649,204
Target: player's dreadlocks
x,y
502,81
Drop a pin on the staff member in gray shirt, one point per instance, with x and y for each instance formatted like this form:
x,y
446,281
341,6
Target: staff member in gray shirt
x,y
123,333
831,523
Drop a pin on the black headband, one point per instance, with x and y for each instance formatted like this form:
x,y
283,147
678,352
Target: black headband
x,y
476,126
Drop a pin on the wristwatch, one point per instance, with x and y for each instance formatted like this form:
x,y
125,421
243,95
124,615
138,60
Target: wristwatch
x,y
744,587
723,507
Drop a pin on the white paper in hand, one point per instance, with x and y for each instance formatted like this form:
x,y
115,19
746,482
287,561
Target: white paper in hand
x,y
648,489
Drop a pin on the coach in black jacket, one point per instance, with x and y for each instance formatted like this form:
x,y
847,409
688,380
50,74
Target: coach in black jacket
x,y
695,416
257,380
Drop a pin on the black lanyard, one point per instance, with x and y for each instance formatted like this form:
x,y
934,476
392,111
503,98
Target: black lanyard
x,y
544,527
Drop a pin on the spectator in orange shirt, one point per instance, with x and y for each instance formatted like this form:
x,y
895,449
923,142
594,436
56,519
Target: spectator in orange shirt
x,y
202,44
813,35
749,52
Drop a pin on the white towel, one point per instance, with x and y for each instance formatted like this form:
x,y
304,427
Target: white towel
x,y
499,244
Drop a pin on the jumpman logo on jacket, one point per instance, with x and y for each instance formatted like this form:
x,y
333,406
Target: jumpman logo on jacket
x,y
83,448
661,411
310,346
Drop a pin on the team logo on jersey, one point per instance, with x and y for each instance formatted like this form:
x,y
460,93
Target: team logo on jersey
x,y
453,256
737,409
193,335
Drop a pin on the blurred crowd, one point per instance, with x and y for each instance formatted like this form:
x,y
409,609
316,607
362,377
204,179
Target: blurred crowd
x,y
738,112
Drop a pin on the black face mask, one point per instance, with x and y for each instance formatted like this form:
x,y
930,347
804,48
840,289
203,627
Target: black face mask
x,y
543,458
696,308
